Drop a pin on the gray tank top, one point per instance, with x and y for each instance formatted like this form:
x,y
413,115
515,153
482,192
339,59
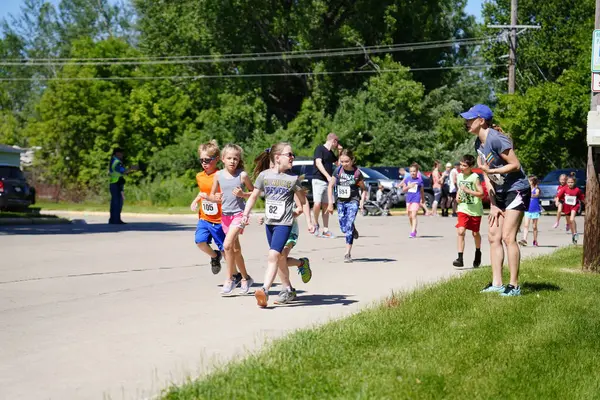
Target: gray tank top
x,y
230,203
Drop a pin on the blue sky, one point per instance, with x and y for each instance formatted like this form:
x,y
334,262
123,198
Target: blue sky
x,y
13,7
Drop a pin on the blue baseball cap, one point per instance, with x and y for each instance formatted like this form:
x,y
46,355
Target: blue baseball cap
x,y
478,111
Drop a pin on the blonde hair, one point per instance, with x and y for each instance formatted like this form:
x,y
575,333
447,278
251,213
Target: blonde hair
x,y
212,148
267,156
235,148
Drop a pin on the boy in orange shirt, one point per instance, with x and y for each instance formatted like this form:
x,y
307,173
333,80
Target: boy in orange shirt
x,y
209,223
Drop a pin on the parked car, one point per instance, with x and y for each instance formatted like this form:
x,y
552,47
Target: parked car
x,y
15,192
392,173
549,184
371,177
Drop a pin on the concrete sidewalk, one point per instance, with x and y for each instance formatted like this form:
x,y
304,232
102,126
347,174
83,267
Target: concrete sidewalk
x,y
93,310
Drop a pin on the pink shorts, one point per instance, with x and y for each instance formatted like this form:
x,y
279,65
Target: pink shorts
x,y
228,220
413,206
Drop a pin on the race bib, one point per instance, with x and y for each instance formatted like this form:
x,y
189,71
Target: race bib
x,y
344,192
209,208
571,200
274,209
414,189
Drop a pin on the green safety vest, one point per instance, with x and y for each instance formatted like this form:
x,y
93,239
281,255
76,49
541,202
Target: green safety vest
x,y
115,175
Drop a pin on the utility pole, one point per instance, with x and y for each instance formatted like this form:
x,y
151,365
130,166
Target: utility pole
x,y
591,237
512,55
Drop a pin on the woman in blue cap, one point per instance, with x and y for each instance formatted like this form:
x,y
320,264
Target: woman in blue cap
x,y
509,195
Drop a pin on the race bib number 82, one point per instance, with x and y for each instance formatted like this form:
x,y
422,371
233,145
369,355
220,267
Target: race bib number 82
x,y
274,209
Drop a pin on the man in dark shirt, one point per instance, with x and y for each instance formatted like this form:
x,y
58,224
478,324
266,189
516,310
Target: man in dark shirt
x,y
324,159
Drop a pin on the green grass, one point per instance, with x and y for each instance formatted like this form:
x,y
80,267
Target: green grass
x,y
139,208
127,208
444,341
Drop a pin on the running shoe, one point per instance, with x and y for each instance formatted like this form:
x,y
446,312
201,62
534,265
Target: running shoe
x,y
413,235
215,263
304,270
477,260
492,289
237,279
567,228
523,242
262,297
327,235
574,239
355,234
535,244
246,285
347,258
285,296
511,291
227,288
316,233
555,225
458,263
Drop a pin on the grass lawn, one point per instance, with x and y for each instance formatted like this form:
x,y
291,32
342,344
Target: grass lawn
x,y
445,341
127,208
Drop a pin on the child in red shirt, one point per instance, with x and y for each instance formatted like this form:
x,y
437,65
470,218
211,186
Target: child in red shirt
x,y
571,197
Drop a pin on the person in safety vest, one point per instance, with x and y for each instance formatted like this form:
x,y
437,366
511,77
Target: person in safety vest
x,y
116,171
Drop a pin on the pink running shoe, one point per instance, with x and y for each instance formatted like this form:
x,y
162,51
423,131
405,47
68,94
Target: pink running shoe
x,y
555,225
535,244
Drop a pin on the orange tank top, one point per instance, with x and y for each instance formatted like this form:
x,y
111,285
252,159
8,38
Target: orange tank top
x,y
207,210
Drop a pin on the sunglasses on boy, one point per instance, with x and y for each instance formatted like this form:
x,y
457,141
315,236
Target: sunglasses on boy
x,y
207,160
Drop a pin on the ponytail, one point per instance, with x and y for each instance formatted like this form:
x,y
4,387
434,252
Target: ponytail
x,y
264,159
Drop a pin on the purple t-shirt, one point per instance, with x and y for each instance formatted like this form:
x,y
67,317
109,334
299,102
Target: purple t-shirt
x,y
413,195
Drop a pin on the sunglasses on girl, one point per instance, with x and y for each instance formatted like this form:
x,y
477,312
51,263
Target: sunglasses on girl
x,y
207,160
290,154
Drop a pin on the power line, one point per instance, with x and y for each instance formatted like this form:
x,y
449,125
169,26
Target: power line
x,y
310,54
283,74
228,57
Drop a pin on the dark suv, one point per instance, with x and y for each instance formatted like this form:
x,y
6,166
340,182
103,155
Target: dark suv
x,y
15,193
549,185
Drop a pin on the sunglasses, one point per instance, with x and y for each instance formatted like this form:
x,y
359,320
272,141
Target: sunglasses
x,y
207,160
290,154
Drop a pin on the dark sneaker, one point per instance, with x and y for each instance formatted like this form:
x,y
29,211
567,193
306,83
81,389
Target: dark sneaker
x,y
347,258
215,263
574,239
355,234
458,263
477,260
262,297
511,291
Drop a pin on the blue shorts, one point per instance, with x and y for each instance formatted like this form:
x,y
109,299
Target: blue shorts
x,y
532,215
206,231
277,236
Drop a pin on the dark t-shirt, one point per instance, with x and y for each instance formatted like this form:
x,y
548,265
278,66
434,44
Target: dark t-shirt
x,y
347,184
328,158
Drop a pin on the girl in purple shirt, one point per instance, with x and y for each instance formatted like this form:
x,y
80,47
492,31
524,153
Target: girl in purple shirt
x,y
413,187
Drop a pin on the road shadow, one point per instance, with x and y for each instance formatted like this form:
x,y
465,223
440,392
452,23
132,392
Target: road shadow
x,y
82,228
539,287
429,237
320,300
368,259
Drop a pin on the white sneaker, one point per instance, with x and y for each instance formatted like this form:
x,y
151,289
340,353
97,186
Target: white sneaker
x,y
246,285
227,288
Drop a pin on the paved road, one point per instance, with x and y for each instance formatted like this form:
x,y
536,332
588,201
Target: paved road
x,y
90,311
